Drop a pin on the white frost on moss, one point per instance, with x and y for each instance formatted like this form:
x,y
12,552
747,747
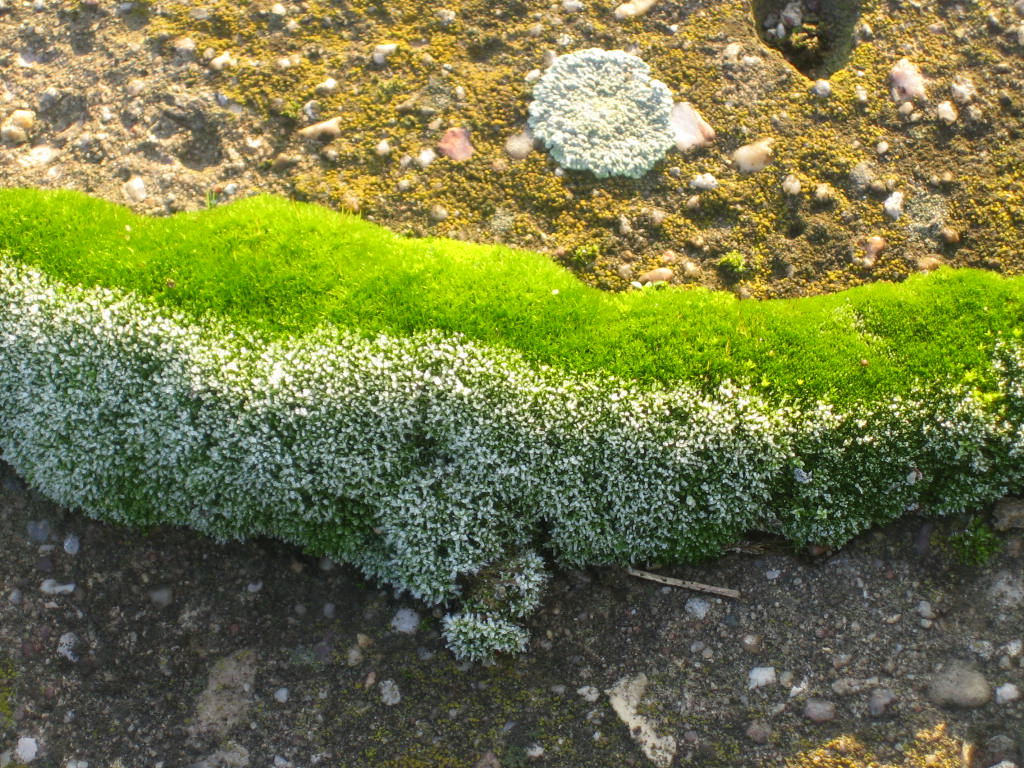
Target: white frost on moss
x,y
600,111
431,461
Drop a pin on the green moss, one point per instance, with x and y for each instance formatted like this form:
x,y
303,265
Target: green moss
x,y
7,677
287,268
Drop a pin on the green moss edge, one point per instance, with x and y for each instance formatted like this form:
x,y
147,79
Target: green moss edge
x,y
286,268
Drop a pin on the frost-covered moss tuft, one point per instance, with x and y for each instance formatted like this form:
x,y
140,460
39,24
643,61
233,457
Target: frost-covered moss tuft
x,y
442,466
478,638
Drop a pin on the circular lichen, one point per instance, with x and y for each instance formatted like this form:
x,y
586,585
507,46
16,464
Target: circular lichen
x,y
600,111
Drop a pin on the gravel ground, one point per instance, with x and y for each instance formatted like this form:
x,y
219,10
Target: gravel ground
x,y
124,647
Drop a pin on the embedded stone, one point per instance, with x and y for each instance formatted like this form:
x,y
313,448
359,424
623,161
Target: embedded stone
x,y
959,685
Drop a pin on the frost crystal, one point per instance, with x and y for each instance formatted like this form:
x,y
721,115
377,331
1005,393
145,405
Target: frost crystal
x,y
601,111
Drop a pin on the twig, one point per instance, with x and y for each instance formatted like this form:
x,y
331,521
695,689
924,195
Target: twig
x,y
691,585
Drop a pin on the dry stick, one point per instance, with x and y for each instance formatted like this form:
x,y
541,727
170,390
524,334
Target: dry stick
x,y
692,585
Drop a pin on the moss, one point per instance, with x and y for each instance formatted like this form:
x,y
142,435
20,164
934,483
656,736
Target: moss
x,y
7,679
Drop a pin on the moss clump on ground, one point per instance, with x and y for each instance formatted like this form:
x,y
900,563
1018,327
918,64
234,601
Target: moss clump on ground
x,y
288,268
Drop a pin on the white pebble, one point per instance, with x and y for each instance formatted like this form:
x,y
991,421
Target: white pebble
x,y
633,8
383,148
532,76
572,6
426,157
27,749
224,61
962,90
698,607
947,113
753,157
519,145
184,46
328,86
882,147
589,693
704,182
791,185
71,544
281,695
860,93
51,587
822,89
907,82
759,677
279,10
66,646
135,189
389,693
893,205
406,621
1007,693
381,53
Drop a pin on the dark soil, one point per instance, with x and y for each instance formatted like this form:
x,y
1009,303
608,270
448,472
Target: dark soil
x,y
155,612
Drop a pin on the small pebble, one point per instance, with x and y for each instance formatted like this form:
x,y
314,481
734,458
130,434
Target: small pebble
x,y
389,693
281,695
791,185
703,182
382,52
51,587
66,646
324,130
695,606
824,194
161,597
426,157
759,732
438,212
879,701
406,621
519,145
893,205
1007,693
947,113
659,275
819,710
589,693
224,61
327,87
71,544
135,189
759,677
959,686
822,89
753,157
27,749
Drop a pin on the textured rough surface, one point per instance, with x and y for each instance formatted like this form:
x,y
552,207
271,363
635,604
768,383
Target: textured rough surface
x,y
325,635
601,111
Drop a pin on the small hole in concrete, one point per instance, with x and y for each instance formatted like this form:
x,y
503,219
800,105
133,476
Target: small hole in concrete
x,y
815,36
